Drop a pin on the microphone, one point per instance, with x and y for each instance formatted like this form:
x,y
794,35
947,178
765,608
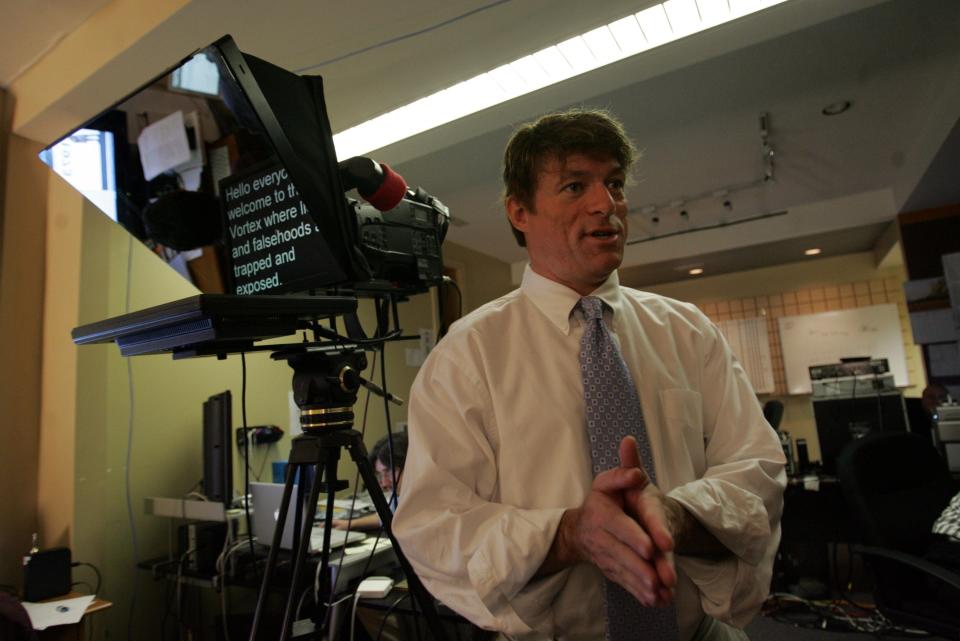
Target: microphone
x,y
376,182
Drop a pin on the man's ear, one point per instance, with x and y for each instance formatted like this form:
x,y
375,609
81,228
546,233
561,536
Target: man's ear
x,y
517,213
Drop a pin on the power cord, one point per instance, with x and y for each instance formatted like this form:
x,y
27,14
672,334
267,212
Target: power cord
x,y
127,484
95,571
386,615
246,456
183,558
400,38
353,614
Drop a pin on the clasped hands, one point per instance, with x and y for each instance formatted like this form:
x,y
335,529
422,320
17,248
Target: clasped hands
x,y
623,528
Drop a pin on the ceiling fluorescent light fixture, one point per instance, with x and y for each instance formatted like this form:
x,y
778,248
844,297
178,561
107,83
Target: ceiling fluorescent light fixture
x,y
658,25
683,15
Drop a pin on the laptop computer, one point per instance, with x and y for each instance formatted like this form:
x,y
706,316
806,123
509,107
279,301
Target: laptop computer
x,y
266,499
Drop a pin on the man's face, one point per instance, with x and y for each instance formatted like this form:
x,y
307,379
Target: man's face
x,y
576,227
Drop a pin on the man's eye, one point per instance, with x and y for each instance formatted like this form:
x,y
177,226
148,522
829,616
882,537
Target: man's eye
x,y
574,187
616,185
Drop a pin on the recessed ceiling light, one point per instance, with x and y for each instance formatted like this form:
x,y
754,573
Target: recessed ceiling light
x,y
813,251
836,108
652,27
696,271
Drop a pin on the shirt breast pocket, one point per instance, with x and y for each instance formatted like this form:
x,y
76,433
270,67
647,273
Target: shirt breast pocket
x,y
683,419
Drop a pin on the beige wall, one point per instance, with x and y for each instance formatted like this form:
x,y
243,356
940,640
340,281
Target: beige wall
x,y
484,278
21,314
798,411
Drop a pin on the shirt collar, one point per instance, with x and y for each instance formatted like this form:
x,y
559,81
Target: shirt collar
x,y
557,301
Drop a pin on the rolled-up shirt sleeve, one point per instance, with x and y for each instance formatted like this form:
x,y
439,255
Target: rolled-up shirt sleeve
x,y
739,498
476,555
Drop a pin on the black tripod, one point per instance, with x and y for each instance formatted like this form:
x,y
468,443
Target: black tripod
x,y
325,388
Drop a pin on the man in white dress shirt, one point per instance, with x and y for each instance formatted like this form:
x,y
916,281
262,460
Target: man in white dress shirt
x,y
502,516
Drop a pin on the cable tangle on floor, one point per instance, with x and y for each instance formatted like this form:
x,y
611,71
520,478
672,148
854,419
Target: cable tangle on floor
x,y
836,615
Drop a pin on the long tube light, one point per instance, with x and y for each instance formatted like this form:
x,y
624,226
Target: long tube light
x,y
652,27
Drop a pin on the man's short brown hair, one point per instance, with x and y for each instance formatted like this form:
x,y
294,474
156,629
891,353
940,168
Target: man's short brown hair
x,y
557,135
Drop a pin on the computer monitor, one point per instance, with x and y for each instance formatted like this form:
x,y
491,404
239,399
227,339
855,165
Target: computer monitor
x,y
842,419
224,166
217,448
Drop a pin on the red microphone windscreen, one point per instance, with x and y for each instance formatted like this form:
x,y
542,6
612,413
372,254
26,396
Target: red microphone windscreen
x,y
390,192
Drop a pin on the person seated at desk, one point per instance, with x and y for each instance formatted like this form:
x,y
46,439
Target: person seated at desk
x,y
921,411
388,477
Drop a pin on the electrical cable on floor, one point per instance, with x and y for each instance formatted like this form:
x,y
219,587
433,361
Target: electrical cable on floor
x,y
832,613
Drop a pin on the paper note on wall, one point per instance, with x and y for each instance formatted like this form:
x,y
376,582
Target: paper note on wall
x,y
163,145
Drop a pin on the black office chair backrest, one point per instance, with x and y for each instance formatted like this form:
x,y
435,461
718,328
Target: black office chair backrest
x,y
897,484
773,412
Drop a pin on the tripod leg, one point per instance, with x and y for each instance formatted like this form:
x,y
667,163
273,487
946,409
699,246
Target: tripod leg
x,y
326,584
325,556
419,593
274,547
301,551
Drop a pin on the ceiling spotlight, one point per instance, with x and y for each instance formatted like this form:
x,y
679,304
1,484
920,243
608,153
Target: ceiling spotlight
x,y
813,251
655,220
684,214
696,271
728,205
836,108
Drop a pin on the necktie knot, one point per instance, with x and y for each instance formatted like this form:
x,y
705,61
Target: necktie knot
x,y
592,307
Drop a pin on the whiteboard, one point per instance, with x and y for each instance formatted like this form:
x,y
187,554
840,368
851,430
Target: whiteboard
x,y
820,339
749,340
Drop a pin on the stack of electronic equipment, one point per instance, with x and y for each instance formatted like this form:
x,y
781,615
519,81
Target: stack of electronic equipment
x,y
947,434
851,399
852,378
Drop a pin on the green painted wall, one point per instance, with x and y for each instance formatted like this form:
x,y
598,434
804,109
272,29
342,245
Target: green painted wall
x,y
167,396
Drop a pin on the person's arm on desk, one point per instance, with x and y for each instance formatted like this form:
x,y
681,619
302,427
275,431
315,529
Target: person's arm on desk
x,y
368,522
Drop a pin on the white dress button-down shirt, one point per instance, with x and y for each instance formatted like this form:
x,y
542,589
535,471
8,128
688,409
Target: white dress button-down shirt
x,y
499,450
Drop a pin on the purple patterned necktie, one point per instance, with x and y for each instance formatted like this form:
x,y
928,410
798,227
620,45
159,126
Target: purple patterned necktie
x,y
613,411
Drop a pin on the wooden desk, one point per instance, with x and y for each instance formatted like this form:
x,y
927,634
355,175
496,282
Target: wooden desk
x,y
74,631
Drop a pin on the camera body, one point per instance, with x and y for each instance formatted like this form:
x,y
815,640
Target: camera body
x,y
402,245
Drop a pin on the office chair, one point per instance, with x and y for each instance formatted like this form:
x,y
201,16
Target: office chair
x,y
896,485
773,412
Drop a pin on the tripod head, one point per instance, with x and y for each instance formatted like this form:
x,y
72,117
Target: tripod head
x,y
325,385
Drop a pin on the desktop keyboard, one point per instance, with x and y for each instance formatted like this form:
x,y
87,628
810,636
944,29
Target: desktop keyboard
x,y
338,538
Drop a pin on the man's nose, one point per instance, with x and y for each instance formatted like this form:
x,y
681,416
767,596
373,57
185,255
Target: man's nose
x,y
600,199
